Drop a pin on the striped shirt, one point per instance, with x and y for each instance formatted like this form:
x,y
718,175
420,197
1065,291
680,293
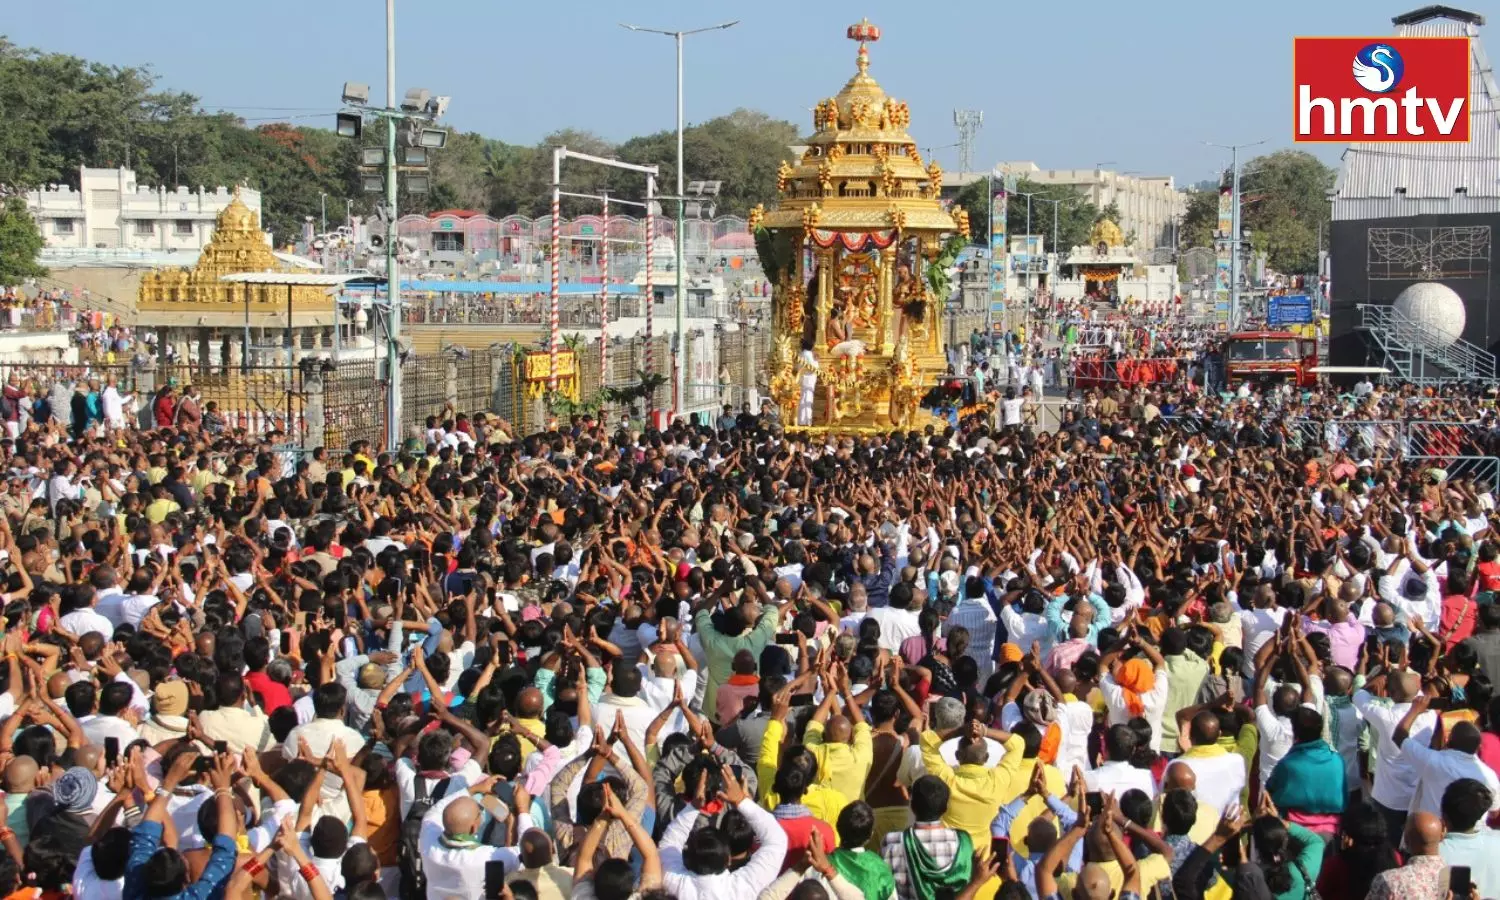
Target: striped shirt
x,y
976,614
939,840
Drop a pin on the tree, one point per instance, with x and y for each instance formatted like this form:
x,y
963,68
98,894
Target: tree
x,y
1284,204
20,242
1200,220
60,112
974,197
742,150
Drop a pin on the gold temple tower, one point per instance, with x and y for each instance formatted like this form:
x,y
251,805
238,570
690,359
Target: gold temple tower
x,y
856,253
198,307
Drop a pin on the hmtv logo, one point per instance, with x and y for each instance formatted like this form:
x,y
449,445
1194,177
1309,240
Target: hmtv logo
x,y
1378,90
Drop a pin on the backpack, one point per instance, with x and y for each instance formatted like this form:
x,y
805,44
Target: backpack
x,y
409,855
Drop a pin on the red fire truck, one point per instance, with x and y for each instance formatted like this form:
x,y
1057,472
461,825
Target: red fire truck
x,y
1271,356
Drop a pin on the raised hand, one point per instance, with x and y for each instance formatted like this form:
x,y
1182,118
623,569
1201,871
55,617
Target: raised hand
x,y
733,792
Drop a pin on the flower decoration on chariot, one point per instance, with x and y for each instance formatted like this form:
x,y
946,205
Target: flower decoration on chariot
x,y
783,176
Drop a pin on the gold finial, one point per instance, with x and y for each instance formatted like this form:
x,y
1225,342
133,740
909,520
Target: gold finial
x,y
864,32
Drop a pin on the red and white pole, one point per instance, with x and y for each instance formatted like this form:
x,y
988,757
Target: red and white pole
x,y
650,292
604,299
555,336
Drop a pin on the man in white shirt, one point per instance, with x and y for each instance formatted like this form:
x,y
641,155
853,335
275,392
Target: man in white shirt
x,y
380,538
114,403
1273,718
859,607
660,683
1438,767
624,700
319,734
113,704
80,617
705,879
108,598
1117,776
452,860
1148,697
135,607
1397,783
898,621
432,767
1219,773
1260,623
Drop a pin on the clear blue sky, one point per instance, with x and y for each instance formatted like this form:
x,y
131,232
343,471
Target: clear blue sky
x,y
1140,84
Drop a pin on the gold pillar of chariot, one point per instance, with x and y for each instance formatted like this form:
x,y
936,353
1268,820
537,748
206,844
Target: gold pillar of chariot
x,y
853,249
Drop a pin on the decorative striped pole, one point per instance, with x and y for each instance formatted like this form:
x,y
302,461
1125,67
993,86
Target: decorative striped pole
x,y
604,300
650,293
556,337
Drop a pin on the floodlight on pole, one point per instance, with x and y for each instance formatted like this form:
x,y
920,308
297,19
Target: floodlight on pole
x,y
356,93
416,100
415,156
432,138
349,125
418,184
372,184
372,156
679,383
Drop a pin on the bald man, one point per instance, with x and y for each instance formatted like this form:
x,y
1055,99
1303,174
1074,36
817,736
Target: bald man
x,y
454,858
19,780
1438,767
1206,817
1397,784
1423,874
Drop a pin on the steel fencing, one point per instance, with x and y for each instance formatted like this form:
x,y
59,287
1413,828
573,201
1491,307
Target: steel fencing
x,y
354,404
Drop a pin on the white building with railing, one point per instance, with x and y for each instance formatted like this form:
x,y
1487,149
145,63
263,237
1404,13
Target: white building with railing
x,y
111,211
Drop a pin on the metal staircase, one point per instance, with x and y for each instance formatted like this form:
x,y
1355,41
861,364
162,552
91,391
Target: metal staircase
x,y
1414,350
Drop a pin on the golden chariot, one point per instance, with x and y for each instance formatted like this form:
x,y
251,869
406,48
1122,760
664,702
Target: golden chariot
x,y
857,252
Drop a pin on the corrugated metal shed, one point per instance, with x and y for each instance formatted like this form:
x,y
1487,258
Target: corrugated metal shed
x,y
1371,176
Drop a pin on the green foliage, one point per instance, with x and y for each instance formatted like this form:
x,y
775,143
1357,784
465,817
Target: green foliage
x,y
645,387
60,112
1075,215
1284,204
975,197
742,149
565,407
20,242
777,251
1198,224
939,280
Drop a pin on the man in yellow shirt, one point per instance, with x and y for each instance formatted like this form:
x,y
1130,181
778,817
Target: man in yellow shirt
x,y
978,792
161,505
841,744
824,802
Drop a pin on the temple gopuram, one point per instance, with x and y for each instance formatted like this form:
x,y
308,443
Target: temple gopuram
x,y
857,249
238,291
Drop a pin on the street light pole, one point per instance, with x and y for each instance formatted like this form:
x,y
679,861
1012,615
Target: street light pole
x,y
1030,297
1234,227
679,384
392,273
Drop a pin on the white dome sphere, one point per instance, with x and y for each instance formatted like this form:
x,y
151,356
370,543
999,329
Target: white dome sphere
x,y
1436,306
